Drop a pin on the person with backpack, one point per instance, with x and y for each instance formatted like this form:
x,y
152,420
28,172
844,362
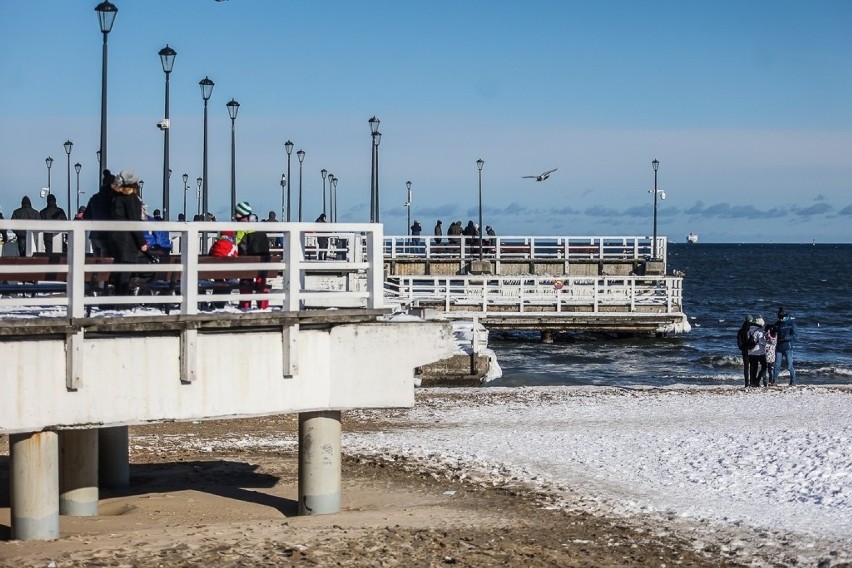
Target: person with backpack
x,y
787,335
51,213
756,344
742,344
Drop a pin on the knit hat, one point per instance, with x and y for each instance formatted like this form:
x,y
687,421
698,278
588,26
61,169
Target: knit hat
x,y
781,313
126,177
749,318
243,209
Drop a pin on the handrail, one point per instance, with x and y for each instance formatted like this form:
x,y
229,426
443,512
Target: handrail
x,y
480,294
554,247
358,248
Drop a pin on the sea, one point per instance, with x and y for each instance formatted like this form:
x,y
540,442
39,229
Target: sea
x,y
723,283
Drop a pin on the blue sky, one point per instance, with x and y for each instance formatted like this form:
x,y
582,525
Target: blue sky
x,y
747,106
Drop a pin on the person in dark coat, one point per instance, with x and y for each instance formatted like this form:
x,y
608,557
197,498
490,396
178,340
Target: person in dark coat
x,y
742,344
322,242
125,245
787,335
25,213
438,232
99,209
51,213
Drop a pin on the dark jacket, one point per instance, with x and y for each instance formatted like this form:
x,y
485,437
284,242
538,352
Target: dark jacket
x,y
126,206
25,213
787,334
52,212
254,243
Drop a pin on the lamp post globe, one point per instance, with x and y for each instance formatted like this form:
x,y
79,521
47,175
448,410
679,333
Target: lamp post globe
x,y
479,163
49,162
233,109
206,91
167,60
301,155
185,178
288,147
656,165
77,167
323,173
106,17
68,146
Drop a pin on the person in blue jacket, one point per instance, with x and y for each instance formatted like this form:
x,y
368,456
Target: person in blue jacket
x,y
159,243
786,332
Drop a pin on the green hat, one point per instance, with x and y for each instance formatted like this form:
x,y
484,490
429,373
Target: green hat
x,y
749,318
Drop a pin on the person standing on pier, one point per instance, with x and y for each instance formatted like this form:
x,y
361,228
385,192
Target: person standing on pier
x,y
438,232
251,242
24,213
51,213
125,245
787,335
98,209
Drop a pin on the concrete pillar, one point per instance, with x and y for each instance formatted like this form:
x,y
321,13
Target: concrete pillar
x,y
34,483
78,472
319,462
113,457
546,336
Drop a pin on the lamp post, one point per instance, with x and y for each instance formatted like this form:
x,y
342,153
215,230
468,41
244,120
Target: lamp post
x,y
68,146
141,185
374,169
323,173
198,182
288,147
479,163
331,197
233,108
49,162
185,178
106,16
283,186
334,181
301,155
77,167
167,59
656,165
206,90
408,205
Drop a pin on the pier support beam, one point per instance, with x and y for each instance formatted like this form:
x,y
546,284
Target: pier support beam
x,y
78,472
113,457
319,462
546,336
34,484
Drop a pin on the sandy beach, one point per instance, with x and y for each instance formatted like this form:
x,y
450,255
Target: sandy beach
x,y
191,506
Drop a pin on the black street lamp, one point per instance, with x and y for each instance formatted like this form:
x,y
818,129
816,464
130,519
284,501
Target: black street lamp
x,y
49,162
288,147
141,185
199,182
185,178
331,197
334,181
408,205
374,169
77,167
301,155
656,165
206,90
167,58
323,173
68,146
233,108
479,163
106,16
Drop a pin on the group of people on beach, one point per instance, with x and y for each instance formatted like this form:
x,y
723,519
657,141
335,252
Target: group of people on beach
x,y
767,348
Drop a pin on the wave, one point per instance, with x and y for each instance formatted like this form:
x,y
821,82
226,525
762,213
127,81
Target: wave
x,y
722,361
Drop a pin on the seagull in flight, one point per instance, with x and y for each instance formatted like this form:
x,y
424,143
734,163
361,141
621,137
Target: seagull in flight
x,y
541,177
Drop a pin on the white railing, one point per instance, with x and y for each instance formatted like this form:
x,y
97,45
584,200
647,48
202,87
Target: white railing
x,y
515,295
522,247
352,248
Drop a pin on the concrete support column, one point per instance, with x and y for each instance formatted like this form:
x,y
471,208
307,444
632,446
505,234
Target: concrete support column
x,y
546,336
113,457
78,472
34,483
319,462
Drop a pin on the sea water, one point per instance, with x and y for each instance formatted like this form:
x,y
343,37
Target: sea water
x,y
722,284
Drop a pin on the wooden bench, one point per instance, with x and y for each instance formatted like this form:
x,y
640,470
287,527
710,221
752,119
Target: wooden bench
x,y
46,281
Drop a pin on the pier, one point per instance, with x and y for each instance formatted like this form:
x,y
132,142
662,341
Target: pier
x,y
76,371
615,284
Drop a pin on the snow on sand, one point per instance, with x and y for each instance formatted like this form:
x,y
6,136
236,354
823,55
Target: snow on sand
x,y
770,473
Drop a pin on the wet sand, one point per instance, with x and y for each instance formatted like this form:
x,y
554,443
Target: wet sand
x,y
194,507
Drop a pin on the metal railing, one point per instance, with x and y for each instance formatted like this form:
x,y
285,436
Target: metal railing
x,y
515,295
351,248
565,248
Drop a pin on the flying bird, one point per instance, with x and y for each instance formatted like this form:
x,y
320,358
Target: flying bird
x,y
541,177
